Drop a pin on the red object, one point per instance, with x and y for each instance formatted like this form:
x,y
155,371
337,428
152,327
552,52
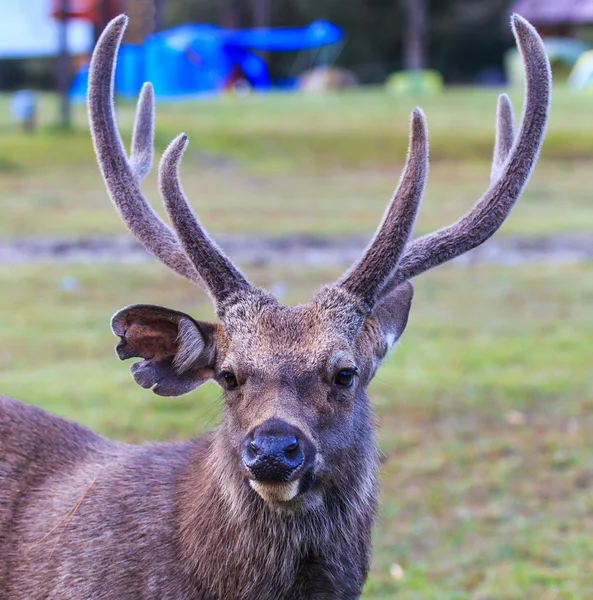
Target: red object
x,y
96,11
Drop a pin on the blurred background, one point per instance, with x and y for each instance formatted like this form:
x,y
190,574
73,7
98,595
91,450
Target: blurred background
x,y
297,113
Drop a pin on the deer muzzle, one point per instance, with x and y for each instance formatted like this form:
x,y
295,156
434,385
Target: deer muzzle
x,y
278,460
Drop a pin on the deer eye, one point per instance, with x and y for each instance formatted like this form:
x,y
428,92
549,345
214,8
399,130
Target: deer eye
x,y
345,378
229,379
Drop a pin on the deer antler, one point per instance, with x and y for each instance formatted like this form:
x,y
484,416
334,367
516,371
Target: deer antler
x,y
513,162
505,136
143,133
369,274
216,269
390,259
122,177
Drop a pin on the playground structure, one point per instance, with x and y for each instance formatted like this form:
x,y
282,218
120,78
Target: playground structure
x,y
196,59
564,55
581,76
571,61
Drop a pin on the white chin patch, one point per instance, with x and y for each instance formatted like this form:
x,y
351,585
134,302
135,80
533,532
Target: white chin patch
x,y
276,492
390,339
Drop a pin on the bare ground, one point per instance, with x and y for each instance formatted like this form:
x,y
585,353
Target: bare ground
x,y
295,249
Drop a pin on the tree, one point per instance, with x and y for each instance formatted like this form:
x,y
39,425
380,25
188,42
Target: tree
x,y
415,34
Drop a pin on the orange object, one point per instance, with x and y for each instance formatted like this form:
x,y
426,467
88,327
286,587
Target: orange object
x,y
96,11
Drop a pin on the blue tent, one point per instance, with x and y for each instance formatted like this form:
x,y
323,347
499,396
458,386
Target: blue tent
x,y
200,59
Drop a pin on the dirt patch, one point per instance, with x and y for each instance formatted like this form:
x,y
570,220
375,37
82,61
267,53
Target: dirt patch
x,y
296,249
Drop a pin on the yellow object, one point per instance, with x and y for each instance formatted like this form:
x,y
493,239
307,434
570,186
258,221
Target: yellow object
x,y
413,82
581,76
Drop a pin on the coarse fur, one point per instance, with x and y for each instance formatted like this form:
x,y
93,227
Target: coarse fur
x,y
82,516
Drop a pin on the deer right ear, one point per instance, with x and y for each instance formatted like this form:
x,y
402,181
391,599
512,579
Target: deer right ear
x,y
392,313
178,352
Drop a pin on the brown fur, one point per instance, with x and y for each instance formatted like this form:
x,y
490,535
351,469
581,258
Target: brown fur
x,y
82,516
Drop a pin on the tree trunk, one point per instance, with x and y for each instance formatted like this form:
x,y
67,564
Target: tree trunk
x,y
64,66
415,34
230,17
159,23
261,15
261,10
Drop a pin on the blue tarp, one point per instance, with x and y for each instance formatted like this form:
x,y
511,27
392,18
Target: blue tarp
x,y
319,33
197,59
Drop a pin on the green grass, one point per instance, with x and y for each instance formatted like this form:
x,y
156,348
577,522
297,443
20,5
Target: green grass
x,y
485,413
485,408
318,165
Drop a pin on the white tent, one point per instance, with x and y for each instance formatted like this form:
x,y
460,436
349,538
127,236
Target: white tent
x,y
27,30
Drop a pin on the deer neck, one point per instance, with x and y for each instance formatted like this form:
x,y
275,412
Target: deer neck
x,y
222,521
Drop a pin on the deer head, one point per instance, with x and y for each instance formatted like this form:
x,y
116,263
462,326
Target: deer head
x,y
294,378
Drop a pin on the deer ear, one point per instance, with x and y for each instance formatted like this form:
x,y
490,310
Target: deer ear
x,y
178,351
391,313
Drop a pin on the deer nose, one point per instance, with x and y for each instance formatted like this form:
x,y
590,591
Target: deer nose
x,y
273,457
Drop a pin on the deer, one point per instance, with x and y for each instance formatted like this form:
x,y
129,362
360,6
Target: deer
x,y
278,501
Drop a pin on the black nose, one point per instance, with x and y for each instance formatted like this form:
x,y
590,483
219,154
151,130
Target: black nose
x,y
273,457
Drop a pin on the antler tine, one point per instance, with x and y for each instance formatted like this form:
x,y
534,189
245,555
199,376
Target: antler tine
x,y
491,210
366,278
122,176
142,153
222,278
505,136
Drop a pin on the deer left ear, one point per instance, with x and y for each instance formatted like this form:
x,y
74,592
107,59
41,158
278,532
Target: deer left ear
x,y
178,352
392,311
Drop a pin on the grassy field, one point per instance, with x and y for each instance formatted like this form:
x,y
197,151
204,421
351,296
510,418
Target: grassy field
x,y
485,409
320,165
